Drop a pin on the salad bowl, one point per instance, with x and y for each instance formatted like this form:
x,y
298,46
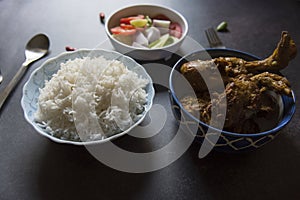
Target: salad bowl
x,y
148,11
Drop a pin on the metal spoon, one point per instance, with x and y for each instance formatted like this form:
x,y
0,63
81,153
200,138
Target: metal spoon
x,y
35,49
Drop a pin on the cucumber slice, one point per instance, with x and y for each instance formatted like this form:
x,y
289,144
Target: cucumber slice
x,y
160,42
171,40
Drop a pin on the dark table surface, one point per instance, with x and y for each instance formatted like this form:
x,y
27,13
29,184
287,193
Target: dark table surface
x,y
33,167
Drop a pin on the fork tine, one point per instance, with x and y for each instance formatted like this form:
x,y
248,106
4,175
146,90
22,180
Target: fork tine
x,y
208,37
213,38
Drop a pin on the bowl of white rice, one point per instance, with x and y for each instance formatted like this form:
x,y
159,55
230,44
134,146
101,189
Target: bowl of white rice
x,y
87,96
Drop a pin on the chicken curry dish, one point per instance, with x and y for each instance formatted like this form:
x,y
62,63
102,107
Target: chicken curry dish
x,y
247,87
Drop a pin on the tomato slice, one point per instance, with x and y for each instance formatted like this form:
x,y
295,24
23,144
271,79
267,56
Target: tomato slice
x,y
127,20
121,31
175,30
127,26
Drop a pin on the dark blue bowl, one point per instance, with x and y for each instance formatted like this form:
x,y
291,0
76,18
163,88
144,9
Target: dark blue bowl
x,y
227,141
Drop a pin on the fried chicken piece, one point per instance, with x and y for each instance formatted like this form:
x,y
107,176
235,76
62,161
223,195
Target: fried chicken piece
x,y
247,99
231,66
274,82
247,86
286,50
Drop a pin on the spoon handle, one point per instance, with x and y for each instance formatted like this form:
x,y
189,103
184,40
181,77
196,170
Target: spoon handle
x,y
14,81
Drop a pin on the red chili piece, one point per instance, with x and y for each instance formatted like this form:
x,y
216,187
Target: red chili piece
x,y
102,17
69,48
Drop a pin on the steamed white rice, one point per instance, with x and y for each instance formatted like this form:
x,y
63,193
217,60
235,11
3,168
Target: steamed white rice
x,y
91,99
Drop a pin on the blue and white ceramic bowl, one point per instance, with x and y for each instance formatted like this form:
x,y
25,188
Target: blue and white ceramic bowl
x,y
47,69
227,141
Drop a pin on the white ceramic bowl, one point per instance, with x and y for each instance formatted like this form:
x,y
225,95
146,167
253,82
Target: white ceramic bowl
x,y
150,10
47,69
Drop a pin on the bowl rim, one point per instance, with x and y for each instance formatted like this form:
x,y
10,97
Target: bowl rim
x,y
93,142
184,34
283,122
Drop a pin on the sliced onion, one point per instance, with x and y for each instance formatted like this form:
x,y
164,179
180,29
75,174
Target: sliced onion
x,y
141,39
152,34
162,25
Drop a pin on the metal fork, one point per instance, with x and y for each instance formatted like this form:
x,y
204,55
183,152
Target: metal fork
x,y
213,38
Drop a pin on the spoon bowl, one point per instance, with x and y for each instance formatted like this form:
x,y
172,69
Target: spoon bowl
x,y
36,48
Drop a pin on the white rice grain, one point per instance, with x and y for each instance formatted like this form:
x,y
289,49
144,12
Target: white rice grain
x,y
91,97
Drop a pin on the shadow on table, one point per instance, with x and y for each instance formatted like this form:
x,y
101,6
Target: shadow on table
x,y
271,172
70,172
